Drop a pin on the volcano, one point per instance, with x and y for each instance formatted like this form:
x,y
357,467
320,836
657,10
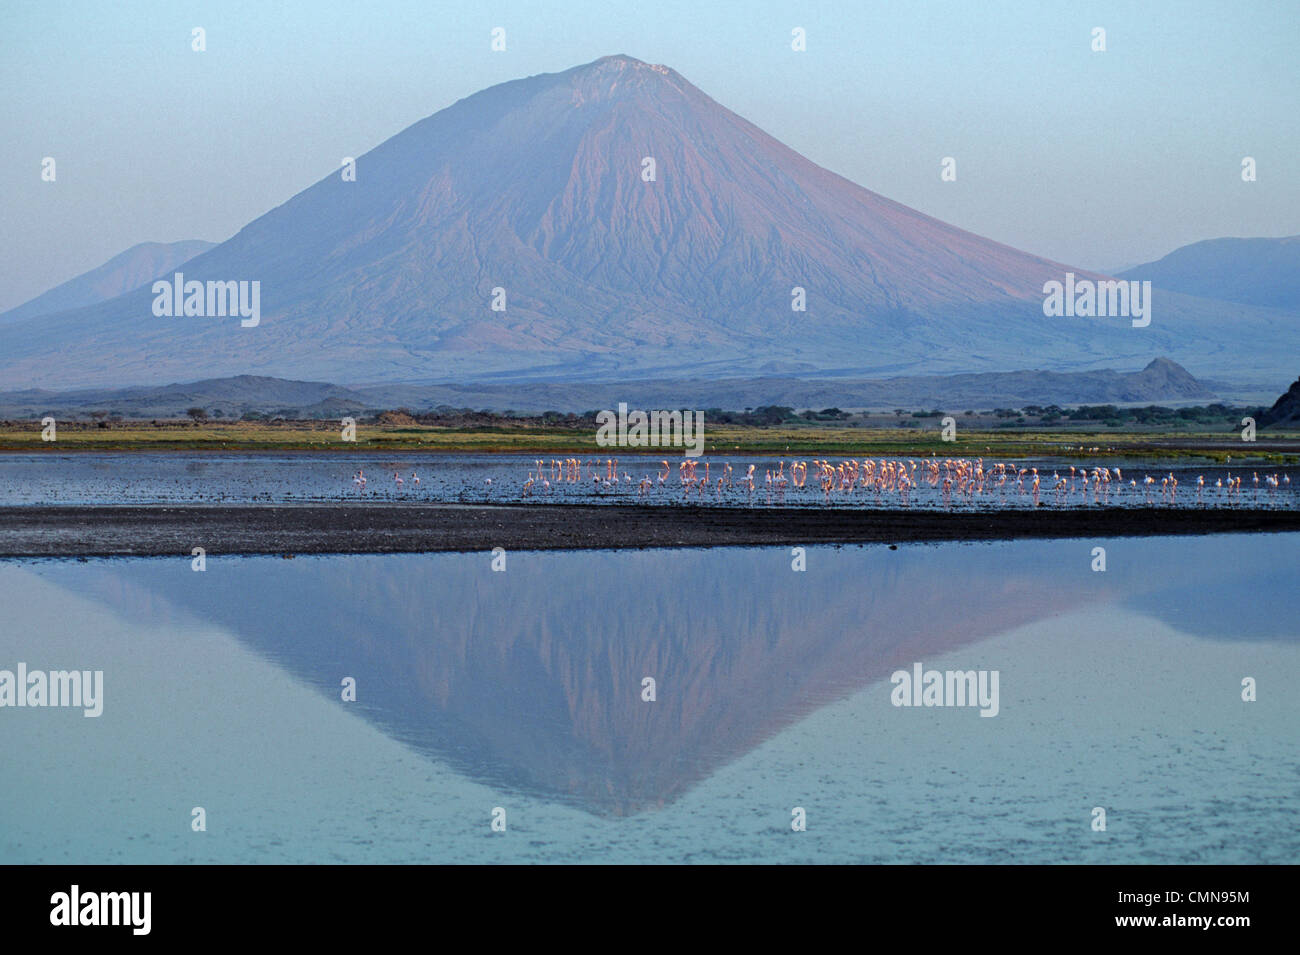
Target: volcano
x,y
629,224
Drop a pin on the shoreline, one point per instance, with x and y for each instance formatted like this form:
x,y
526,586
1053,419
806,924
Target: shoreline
x,y
1280,449
166,530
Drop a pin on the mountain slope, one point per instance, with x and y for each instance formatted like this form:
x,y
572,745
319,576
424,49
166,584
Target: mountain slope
x,y
133,268
535,186
1285,411
1251,271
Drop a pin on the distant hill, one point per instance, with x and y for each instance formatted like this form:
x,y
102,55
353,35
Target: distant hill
x,y
1285,411
137,266
1250,271
1160,381
234,396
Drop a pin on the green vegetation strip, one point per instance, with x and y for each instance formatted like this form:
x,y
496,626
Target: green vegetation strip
x,y
720,440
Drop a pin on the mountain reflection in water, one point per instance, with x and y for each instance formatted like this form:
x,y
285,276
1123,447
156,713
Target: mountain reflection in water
x,y
531,679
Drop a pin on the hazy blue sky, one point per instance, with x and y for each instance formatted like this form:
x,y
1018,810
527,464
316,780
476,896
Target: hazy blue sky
x,y
1096,159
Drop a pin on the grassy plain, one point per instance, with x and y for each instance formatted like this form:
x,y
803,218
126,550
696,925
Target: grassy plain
x,y
811,440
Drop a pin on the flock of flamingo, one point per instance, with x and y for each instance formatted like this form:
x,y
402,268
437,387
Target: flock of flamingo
x,y
960,479
956,478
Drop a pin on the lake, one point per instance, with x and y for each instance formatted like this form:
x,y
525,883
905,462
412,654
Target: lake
x,y
523,690
313,477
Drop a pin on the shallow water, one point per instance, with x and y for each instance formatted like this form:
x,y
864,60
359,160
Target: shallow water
x,y
522,689
169,478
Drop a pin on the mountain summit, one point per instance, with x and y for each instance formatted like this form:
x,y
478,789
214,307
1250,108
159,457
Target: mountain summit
x,y
633,225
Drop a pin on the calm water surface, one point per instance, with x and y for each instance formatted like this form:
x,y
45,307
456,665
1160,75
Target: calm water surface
x,y
522,690
144,478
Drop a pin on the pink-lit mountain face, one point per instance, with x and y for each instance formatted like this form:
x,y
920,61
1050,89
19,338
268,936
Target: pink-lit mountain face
x,y
536,187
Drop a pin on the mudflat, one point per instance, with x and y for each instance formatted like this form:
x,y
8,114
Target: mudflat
x,y
160,530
